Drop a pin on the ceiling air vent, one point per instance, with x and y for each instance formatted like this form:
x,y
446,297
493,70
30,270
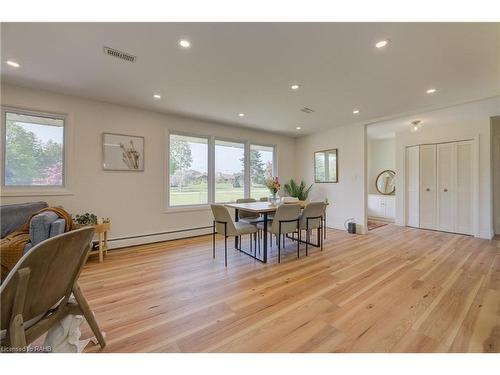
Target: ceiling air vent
x,y
307,110
119,54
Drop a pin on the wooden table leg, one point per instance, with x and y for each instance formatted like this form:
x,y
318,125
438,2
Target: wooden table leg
x,y
106,243
101,245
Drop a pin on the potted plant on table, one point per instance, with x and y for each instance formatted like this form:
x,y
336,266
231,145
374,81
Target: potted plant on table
x,y
299,191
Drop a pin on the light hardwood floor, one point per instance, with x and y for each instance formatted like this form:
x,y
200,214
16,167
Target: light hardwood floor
x,y
394,290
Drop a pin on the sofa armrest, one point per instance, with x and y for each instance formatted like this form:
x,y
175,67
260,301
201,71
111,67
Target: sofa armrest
x,y
40,226
57,227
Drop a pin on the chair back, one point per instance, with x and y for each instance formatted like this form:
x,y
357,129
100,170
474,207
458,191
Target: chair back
x,y
242,214
222,215
286,212
54,265
313,209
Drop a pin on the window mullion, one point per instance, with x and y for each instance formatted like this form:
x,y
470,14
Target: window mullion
x,y
211,170
246,171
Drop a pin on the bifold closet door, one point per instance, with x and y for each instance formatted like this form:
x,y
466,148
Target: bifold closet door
x,y
428,175
464,188
446,181
413,186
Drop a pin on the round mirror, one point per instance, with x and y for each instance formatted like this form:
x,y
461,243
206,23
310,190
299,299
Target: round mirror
x,y
385,182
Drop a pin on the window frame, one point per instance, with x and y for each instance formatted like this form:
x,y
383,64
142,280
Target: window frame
x,y
35,190
275,163
168,208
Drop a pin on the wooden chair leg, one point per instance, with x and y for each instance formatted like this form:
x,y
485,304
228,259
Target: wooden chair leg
x,y
17,337
88,314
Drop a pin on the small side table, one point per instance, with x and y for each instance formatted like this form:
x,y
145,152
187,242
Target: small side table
x,y
102,233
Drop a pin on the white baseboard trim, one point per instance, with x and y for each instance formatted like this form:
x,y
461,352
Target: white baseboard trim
x,y
116,243
487,235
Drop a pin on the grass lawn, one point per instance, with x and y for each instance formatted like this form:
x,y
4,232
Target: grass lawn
x,y
197,194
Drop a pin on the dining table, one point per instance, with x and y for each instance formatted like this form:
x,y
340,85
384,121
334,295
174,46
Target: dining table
x,y
264,209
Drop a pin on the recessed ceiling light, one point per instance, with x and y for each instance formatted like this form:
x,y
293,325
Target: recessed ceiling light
x,y
13,64
382,43
356,111
295,86
184,43
157,96
431,91
298,127
241,114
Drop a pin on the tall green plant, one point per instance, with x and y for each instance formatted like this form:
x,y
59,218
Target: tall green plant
x,y
298,191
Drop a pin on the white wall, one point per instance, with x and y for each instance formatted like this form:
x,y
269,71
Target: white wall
x,y
133,200
456,123
495,153
347,197
381,155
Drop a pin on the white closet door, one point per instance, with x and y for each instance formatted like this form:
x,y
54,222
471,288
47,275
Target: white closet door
x,y
464,189
446,176
428,187
413,186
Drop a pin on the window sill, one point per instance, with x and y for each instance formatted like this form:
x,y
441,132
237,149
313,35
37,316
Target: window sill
x,y
33,192
200,207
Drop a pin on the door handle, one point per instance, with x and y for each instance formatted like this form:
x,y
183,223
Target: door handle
x,y
427,189
445,190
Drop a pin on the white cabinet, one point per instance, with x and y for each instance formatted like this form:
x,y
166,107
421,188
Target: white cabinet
x,y
445,194
381,206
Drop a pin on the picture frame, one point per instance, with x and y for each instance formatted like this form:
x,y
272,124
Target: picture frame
x,y
122,152
326,166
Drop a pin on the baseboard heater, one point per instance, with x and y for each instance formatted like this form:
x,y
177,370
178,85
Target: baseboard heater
x,y
119,242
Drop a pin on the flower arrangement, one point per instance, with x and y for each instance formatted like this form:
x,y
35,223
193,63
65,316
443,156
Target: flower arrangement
x,y
273,184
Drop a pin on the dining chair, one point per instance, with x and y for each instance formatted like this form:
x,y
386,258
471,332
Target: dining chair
x,y
36,293
312,218
247,216
286,221
224,225
263,199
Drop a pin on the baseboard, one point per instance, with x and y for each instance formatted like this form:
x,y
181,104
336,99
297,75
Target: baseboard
x,y
487,235
116,243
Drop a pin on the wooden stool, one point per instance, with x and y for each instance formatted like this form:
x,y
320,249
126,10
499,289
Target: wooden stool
x,y
102,233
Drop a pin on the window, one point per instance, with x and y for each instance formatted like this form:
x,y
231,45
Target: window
x,y
204,170
33,149
188,170
229,171
261,168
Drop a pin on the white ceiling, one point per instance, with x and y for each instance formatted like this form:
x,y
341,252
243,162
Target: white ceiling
x,y
248,67
470,112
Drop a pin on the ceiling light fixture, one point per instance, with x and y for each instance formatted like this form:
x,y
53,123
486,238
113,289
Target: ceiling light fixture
x,y
382,43
431,91
356,111
13,64
415,126
298,127
184,43
241,114
157,96
295,86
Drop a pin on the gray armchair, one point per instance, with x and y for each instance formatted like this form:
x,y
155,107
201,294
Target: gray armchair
x,y
42,227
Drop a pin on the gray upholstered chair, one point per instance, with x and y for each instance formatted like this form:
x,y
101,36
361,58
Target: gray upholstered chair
x,y
36,293
224,225
312,218
286,221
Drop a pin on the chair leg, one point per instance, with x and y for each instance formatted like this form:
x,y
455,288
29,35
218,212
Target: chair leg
x,y
298,243
88,314
17,337
213,240
321,236
225,251
307,236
